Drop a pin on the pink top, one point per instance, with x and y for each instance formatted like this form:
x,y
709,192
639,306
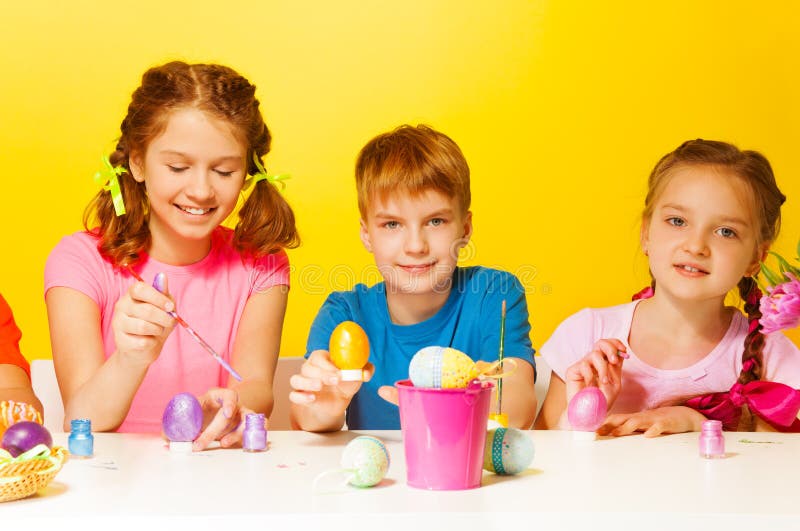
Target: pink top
x,y
646,387
210,295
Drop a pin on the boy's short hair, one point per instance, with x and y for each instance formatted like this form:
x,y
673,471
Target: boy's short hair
x,y
413,160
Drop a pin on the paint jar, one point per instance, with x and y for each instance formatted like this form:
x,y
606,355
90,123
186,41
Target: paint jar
x,y
712,442
254,438
81,440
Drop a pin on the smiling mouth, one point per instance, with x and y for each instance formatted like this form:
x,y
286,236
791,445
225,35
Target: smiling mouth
x,y
195,211
690,269
421,268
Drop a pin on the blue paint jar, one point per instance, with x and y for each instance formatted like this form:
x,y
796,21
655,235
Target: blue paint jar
x,y
81,440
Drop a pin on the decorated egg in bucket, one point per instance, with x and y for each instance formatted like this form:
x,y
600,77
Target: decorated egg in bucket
x,y
508,451
441,368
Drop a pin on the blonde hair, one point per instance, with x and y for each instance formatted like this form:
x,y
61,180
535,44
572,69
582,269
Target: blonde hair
x,y
412,160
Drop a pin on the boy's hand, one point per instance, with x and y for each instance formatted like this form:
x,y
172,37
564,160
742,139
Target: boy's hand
x,y
602,367
318,385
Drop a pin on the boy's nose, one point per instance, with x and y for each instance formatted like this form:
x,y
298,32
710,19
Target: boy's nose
x,y
416,243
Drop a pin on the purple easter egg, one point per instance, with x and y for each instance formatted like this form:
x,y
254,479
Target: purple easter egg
x,y
588,409
23,436
159,282
183,418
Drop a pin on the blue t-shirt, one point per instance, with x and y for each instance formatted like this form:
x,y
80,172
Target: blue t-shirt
x,y
469,321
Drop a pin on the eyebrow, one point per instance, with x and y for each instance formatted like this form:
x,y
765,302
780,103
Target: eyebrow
x,y
437,213
725,219
226,158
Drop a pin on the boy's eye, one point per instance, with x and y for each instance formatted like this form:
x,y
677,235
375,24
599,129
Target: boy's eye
x,y
435,222
676,222
177,169
726,232
391,225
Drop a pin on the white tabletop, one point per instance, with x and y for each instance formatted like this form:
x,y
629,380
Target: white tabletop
x,y
630,482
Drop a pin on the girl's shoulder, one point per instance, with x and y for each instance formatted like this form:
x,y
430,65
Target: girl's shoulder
x,y
781,360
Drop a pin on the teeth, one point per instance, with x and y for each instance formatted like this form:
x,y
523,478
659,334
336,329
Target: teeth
x,y
195,211
691,269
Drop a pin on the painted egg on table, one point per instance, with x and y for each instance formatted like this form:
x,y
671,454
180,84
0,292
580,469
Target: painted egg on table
x,y
508,451
441,368
587,410
12,412
349,349
183,418
367,460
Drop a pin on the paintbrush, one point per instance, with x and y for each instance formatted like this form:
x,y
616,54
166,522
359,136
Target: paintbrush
x,y
500,358
158,283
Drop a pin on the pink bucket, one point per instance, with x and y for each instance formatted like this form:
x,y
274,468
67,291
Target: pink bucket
x,y
444,432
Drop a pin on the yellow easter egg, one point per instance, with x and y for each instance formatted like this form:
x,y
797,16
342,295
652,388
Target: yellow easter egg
x,y
349,349
458,369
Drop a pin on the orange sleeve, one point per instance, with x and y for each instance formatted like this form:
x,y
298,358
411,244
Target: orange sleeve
x,y
9,339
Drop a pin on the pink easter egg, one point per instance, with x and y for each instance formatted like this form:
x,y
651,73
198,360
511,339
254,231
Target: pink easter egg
x,y
588,409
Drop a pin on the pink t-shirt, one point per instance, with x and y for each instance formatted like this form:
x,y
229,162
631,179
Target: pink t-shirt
x,y
210,295
646,387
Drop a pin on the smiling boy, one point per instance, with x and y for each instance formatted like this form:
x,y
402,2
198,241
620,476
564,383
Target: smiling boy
x,y
414,198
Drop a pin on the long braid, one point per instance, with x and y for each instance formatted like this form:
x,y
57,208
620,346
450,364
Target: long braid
x,y
753,346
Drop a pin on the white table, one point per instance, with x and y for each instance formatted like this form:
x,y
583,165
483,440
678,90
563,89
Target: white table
x,y
631,482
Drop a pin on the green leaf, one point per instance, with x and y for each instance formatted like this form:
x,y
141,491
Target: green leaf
x,y
785,266
772,278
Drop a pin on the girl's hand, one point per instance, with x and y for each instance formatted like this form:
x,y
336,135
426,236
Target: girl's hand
x,y
653,422
223,419
318,385
602,368
141,323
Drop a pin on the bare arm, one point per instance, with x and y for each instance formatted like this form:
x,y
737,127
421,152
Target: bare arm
x,y
551,416
91,385
519,396
15,385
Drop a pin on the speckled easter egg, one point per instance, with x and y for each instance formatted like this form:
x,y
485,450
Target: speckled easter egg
x,y
508,451
367,460
441,368
183,418
349,348
12,412
587,410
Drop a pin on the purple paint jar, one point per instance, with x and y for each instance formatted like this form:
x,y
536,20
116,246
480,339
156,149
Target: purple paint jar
x,y
712,442
254,438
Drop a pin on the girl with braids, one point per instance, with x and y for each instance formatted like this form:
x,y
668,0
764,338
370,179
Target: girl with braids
x,y
710,215
191,142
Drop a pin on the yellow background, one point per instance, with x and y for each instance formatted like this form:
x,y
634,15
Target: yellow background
x,y
561,108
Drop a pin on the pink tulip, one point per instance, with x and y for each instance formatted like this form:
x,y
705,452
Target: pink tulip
x,y
780,309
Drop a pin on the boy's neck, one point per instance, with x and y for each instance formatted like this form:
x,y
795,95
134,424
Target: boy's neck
x,y
410,308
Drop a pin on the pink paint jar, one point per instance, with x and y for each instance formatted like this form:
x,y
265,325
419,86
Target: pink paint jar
x,y
712,442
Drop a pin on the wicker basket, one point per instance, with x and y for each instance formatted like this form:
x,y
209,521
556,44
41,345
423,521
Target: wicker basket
x,y
23,478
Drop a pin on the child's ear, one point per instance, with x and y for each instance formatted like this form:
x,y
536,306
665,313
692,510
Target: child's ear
x,y
467,227
644,239
137,168
364,233
760,255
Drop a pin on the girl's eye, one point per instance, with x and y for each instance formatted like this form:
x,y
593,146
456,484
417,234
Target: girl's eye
x,y
177,169
435,222
224,173
726,232
676,222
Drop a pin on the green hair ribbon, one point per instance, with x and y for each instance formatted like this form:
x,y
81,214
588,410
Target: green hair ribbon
x,y
261,175
108,178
